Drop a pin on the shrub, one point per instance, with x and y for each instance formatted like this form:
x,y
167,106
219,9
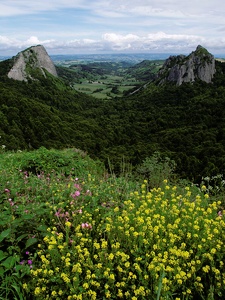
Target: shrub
x,y
156,168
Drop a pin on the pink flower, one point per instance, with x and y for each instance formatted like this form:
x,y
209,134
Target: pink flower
x,y
220,213
7,191
77,186
26,175
57,214
11,202
75,194
86,225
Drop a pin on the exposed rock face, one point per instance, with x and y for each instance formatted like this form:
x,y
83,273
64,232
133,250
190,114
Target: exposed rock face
x,y
200,64
30,60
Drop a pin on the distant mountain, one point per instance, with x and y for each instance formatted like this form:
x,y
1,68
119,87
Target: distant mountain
x,y
199,65
31,63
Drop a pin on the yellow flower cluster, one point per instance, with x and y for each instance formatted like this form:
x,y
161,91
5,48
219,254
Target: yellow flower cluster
x,y
159,238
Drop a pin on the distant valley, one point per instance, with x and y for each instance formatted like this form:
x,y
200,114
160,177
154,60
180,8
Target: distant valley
x,y
108,76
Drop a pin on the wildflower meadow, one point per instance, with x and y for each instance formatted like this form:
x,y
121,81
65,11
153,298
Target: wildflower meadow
x,y
69,230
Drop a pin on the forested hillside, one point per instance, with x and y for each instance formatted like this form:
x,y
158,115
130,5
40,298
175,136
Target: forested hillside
x,y
185,123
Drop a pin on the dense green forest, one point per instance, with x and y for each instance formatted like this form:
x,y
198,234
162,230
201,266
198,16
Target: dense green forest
x,y
185,123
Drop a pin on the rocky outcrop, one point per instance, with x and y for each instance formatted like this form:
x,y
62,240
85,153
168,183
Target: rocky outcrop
x,y
199,65
30,62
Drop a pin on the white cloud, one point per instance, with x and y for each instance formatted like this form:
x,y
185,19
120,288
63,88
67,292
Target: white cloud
x,y
118,38
159,41
174,8
151,42
9,43
22,7
109,25
168,7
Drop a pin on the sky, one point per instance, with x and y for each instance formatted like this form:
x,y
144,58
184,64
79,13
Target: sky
x,y
117,26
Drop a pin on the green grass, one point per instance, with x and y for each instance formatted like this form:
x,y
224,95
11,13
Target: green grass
x,y
102,88
100,79
71,230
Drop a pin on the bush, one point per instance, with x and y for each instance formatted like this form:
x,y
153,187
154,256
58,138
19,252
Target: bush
x,y
156,168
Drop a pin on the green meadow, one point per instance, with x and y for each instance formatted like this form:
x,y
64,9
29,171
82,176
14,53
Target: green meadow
x,y
70,229
107,87
107,80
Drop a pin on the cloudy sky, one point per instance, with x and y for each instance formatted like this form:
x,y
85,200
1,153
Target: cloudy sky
x,y
120,26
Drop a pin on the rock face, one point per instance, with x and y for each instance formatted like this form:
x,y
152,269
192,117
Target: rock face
x,y
200,64
30,61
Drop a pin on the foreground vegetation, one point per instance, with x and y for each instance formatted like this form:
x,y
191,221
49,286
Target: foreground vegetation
x,y
70,230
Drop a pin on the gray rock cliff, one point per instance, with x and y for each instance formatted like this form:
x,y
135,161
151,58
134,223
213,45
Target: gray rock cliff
x,y
200,64
29,61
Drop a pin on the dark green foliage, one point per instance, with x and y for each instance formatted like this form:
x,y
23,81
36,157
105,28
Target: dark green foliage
x,y
185,123
5,66
145,70
61,162
92,71
155,169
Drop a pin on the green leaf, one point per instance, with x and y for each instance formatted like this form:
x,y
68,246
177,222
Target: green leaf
x,y
28,217
18,268
2,255
9,262
21,237
4,222
4,234
18,290
42,228
1,271
30,242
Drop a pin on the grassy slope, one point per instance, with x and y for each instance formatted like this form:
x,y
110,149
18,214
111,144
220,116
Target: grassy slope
x,y
89,235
